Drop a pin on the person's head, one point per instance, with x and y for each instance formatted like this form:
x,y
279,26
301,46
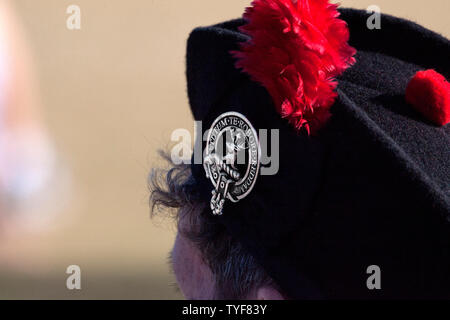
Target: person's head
x,y
207,262
362,170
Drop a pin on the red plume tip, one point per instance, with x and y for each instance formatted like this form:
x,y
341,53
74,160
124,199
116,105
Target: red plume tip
x,y
429,93
295,51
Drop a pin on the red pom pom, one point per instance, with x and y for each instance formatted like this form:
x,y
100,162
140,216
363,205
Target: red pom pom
x,y
295,51
429,93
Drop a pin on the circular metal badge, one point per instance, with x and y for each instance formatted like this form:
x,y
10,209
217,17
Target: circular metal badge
x,y
231,159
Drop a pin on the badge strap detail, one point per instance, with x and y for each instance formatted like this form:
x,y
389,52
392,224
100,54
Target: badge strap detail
x,y
231,180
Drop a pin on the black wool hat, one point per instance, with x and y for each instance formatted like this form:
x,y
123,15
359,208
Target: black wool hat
x,y
369,187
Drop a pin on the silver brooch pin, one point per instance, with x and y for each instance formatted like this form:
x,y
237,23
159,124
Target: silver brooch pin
x,y
232,159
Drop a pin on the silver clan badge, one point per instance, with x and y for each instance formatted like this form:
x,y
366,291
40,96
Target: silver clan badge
x,y
231,159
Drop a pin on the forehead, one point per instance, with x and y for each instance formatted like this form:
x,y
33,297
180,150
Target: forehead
x,y
193,276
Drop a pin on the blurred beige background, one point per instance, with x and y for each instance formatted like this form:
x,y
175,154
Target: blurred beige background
x,y
112,93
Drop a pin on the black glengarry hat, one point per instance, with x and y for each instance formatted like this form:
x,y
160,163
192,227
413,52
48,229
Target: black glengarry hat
x,y
363,177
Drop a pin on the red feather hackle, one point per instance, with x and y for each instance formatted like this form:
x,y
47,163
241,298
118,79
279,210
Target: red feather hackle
x,y
296,49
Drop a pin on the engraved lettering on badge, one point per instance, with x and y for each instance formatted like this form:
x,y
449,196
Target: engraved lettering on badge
x,y
231,159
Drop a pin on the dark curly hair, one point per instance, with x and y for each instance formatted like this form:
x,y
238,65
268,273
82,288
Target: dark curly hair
x,y
235,271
